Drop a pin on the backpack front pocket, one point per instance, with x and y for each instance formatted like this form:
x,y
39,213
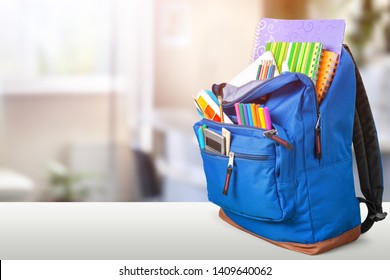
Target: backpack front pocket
x,y
256,185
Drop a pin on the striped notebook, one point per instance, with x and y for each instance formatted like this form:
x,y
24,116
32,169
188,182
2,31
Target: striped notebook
x,y
301,57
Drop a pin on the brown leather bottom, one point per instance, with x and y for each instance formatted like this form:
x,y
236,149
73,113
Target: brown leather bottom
x,y
310,249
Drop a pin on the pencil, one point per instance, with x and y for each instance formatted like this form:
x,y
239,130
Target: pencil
x,y
220,108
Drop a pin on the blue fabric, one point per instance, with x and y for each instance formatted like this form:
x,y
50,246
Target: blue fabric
x,y
292,195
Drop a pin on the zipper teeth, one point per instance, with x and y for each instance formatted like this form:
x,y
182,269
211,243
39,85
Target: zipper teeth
x,y
243,156
258,157
315,95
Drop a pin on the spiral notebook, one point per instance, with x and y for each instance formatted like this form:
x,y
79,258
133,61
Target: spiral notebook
x,y
326,72
329,32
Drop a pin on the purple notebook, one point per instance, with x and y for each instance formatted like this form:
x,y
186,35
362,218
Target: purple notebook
x,y
328,32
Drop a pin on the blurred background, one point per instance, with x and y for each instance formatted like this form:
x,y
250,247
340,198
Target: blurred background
x,y
95,95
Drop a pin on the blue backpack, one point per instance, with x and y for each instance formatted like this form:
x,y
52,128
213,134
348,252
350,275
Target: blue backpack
x,y
293,185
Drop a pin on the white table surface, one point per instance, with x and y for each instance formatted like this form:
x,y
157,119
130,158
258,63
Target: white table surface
x,y
150,231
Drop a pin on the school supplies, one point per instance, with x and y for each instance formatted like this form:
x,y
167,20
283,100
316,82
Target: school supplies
x,y
242,114
262,68
214,142
262,117
266,70
329,32
326,72
301,57
257,115
267,117
238,113
226,135
246,115
254,115
209,106
201,137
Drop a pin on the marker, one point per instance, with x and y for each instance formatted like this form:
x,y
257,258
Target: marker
x,y
242,114
268,124
237,107
249,110
201,137
262,118
253,112
246,114
257,115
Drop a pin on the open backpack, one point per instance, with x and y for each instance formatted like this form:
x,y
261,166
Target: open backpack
x,y
293,185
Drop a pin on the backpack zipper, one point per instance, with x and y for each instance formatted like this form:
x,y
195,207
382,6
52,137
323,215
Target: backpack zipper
x,y
230,166
273,135
229,171
318,146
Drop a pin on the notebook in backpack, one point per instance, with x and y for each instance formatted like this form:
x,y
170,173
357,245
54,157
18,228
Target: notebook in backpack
x,y
293,185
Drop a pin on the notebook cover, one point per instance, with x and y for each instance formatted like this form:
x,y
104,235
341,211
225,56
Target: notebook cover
x,y
302,57
329,32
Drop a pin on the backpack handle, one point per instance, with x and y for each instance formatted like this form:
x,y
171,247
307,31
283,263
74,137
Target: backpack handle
x,y
367,154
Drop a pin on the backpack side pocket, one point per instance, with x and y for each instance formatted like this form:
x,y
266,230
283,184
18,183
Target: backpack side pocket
x,y
260,184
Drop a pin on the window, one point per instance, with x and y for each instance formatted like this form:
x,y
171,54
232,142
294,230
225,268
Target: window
x,y
47,44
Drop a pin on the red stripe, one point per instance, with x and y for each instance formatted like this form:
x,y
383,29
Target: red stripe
x,y
280,140
318,145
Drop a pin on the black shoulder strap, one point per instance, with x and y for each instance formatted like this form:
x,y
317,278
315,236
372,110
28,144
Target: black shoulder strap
x,y
367,153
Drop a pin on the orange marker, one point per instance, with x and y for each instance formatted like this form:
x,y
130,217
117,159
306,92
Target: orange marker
x,y
254,119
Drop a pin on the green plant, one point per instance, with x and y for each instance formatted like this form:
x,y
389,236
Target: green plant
x,y
63,182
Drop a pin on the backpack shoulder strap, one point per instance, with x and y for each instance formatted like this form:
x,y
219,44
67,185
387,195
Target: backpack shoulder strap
x,y
367,153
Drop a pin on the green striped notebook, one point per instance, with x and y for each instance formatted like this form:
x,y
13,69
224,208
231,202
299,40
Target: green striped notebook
x,y
302,57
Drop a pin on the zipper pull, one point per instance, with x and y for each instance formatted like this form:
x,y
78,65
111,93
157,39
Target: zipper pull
x,y
318,146
228,173
273,135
